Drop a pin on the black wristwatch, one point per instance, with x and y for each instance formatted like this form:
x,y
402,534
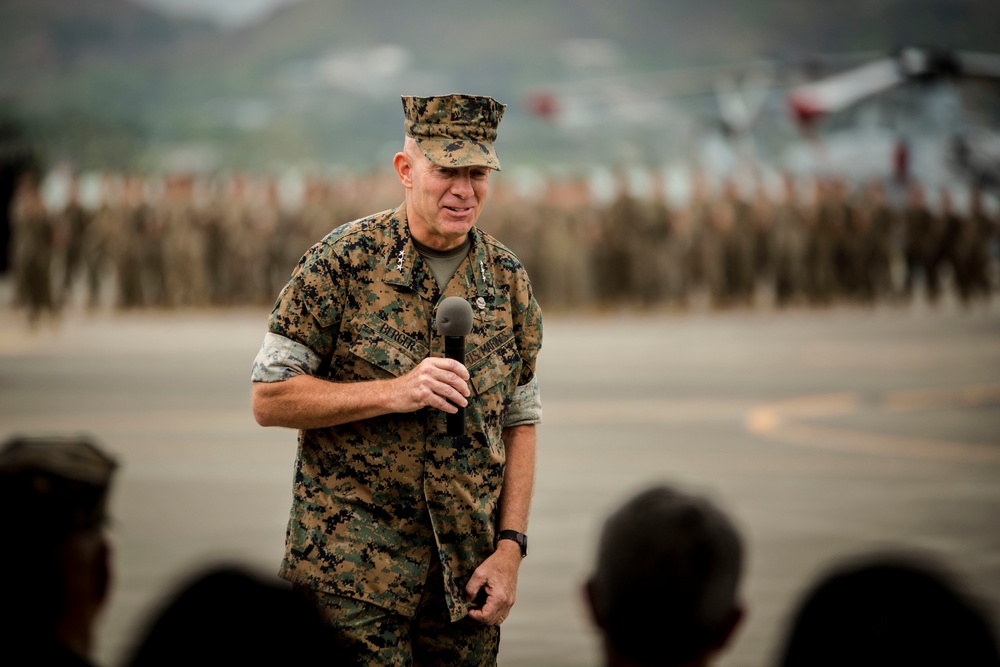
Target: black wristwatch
x,y
520,538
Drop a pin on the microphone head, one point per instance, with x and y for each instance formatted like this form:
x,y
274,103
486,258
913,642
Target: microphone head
x,y
454,317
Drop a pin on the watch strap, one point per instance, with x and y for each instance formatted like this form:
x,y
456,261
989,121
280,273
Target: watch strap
x,y
520,538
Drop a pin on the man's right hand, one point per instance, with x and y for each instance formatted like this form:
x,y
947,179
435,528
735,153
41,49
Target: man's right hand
x,y
433,383
304,401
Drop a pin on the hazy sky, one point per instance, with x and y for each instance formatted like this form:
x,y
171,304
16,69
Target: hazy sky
x,y
228,13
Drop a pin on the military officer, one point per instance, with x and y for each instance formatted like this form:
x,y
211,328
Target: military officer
x,y
407,538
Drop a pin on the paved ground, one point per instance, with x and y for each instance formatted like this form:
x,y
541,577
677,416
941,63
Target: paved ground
x,y
826,434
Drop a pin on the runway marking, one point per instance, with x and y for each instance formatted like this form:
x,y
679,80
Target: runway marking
x,y
783,422
174,422
929,399
656,412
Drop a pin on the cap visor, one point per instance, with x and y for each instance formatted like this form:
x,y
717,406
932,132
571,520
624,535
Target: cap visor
x,y
447,152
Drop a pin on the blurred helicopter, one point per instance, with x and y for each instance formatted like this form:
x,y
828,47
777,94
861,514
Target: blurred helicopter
x,y
929,87
676,108
720,120
860,113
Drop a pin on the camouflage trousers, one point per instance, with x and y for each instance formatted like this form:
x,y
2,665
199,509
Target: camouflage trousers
x,y
371,635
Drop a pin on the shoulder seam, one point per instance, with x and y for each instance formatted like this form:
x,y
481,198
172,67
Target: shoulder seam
x,y
358,226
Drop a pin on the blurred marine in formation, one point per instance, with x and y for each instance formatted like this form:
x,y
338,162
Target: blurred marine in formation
x,y
739,241
34,236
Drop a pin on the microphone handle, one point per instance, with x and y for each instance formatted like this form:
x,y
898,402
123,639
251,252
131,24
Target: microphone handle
x,y
454,348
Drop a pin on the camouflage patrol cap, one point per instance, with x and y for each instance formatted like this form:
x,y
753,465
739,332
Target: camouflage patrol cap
x,y
455,130
56,483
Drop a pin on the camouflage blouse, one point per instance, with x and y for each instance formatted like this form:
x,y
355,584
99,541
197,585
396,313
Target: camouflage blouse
x,y
373,498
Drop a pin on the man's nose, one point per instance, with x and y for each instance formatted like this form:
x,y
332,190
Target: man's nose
x,y
461,185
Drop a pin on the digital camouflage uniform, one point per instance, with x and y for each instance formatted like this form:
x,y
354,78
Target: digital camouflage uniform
x,y
391,509
75,220
374,497
34,249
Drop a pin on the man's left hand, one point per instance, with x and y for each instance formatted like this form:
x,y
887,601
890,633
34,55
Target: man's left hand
x,y
497,576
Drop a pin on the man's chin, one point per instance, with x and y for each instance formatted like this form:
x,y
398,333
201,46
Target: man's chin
x,y
457,224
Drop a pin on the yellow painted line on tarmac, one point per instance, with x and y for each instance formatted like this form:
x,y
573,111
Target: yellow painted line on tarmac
x,y
114,422
15,343
769,417
625,412
859,442
785,422
929,399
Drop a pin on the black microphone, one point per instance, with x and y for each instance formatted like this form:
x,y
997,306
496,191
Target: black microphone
x,y
454,322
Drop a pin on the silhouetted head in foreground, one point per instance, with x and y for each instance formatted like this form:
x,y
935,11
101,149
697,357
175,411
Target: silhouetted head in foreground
x,y
665,587
228,616
888,610
56,557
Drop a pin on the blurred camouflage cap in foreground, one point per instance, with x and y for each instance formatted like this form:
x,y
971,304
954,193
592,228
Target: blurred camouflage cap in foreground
x,y
56,484
455,130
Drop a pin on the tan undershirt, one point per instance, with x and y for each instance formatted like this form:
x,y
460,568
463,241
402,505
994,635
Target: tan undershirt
x,y
443,264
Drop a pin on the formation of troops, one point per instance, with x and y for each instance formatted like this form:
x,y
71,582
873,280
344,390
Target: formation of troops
x,y
185,242
816,242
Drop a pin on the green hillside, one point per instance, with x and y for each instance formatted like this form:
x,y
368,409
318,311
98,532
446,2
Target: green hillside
x,y
110,83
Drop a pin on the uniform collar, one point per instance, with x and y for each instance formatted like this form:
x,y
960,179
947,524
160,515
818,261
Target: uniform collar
x,y
478,277
405,268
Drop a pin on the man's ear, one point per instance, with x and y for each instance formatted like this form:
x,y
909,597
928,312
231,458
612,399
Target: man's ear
x,y
404,169
590,597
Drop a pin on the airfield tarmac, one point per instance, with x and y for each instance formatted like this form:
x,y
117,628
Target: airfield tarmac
x,y
826,434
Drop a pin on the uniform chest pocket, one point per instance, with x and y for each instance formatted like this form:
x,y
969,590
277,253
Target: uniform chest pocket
x,y
389,350
494,364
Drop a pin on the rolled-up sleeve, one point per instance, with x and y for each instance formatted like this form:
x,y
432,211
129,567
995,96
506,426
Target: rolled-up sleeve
x,y
282,358
526,407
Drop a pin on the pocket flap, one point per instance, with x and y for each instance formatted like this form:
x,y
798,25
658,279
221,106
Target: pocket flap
x,y
393,351
494,361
